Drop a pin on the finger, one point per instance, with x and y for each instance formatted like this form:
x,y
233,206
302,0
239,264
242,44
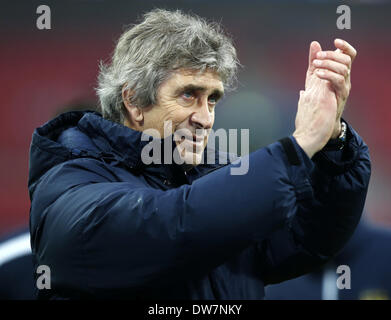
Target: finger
x,y
314,49
336,56
346,47
332,65
337,81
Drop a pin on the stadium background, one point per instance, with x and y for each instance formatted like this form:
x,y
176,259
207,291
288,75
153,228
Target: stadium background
x,y
44,71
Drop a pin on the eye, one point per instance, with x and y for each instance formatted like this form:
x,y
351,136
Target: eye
x,y
186,98
188,95
212,100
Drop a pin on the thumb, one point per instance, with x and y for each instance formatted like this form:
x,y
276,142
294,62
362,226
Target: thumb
x,y
314,49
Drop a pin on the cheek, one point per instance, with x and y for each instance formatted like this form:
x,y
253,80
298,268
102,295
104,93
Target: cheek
x,y
176,114
213,117
206,140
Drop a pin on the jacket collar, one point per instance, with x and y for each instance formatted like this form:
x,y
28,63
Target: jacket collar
x,y
113,138
126,143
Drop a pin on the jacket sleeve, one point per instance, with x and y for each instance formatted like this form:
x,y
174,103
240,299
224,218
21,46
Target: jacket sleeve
x,y
326,214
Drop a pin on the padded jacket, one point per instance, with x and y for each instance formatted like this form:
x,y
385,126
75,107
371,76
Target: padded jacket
x,y
110,227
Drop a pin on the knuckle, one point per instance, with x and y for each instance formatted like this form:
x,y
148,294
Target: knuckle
x,y
345,71
324,71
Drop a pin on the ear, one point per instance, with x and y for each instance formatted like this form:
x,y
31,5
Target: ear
x,y
135,113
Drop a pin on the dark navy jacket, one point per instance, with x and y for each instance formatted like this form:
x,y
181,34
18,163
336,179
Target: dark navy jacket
x,y
109,226
368,255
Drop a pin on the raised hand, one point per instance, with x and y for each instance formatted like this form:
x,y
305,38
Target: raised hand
x,y
335,67
322,103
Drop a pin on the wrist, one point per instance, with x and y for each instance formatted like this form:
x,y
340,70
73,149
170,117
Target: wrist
x,y
306,145
337,143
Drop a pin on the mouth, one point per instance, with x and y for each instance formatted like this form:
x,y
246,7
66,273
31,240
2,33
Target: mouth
x,y
193,138
194,143
189,140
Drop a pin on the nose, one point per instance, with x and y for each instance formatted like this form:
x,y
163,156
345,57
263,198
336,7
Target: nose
x,y
202,118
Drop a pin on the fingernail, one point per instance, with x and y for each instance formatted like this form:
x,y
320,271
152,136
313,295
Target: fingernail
x,y
339,41
321,54
317,62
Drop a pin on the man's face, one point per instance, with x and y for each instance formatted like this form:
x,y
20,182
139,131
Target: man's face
x,y
186,102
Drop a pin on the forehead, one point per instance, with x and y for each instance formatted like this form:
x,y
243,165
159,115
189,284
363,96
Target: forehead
x,y
209,79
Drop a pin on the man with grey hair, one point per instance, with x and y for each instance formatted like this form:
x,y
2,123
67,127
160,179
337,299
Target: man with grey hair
x,y
110,225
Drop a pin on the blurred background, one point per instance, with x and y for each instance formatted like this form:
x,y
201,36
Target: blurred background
x,y
44,71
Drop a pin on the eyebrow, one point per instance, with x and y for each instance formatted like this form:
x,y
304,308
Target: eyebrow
x,y
192,87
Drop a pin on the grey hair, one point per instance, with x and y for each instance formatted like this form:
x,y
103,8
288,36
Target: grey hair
x,y
149,52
